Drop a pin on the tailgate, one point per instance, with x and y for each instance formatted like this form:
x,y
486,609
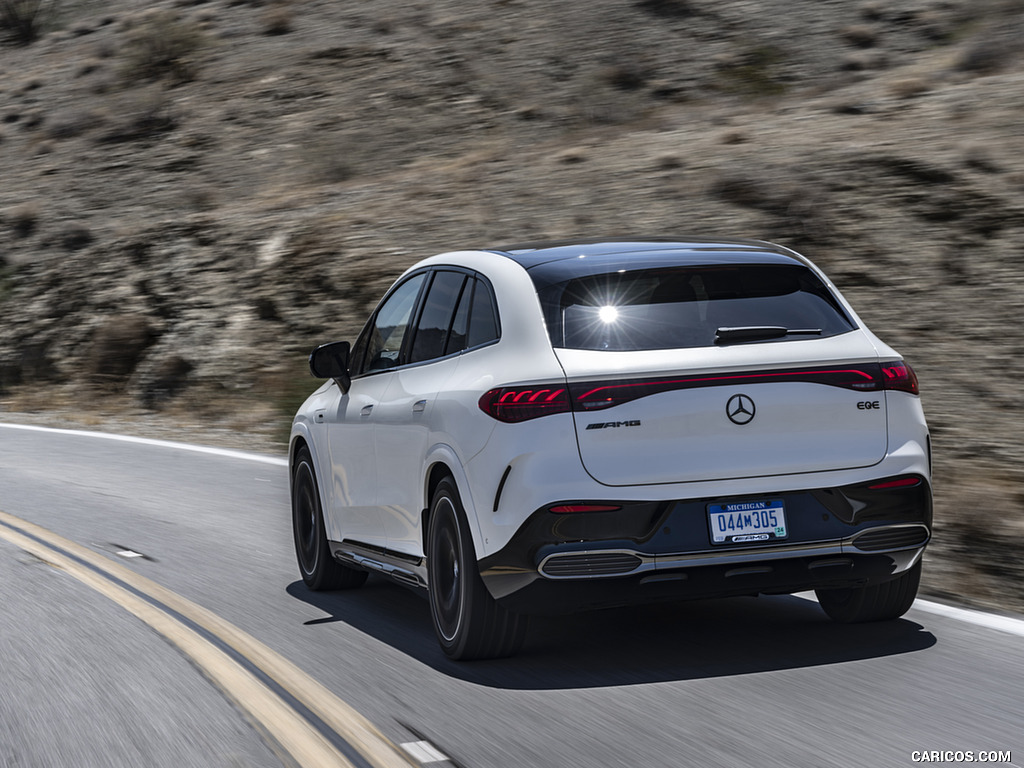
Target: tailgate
x,y
743,417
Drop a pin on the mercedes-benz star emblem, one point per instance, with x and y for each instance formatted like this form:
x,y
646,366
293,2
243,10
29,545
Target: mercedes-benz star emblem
x,y
740,409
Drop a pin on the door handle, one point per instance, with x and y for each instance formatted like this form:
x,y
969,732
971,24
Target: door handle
x,y
365,410
419,406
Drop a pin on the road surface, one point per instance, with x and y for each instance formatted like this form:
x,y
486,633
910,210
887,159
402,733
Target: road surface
x,y
151,614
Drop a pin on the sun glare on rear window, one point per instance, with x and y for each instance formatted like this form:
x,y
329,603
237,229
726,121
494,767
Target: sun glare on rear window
x,y
678,307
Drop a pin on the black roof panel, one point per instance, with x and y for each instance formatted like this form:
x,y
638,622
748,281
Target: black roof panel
x,y
555,262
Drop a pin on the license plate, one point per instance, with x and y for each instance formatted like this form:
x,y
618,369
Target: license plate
x,y
747,522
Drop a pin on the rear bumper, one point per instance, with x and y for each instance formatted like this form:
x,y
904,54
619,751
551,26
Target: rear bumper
x,y
650,551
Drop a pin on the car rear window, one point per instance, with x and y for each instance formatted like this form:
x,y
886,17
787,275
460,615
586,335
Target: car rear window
x,y
678,307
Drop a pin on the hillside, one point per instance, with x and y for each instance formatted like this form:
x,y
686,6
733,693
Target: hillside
x,y
195,193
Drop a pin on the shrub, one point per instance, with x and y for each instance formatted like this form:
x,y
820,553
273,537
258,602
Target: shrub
x,y
75,235
117,346
624,76
861,35
276,20
140,115
755,72
71,123
990,53
26,20
330,160
23,219
87,67
908,87
669,9
163,46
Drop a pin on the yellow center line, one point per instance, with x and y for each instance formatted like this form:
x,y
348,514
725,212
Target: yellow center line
x,y
304,744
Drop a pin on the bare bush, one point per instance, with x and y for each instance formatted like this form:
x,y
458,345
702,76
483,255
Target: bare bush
x,y
26,20
330,160
163,46
908,87
71,123
669,9
23,218
277,20
141,114
755,72
117,346
860,35
74,236
991,51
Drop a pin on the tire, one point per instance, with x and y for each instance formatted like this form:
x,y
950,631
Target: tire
x,y
319,569
881,602
468,622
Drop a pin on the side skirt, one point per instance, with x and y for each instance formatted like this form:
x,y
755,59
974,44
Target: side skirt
x,y
409,570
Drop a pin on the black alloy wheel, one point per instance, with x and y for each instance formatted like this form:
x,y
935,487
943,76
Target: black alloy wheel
x,y
319,569
878,602
468,622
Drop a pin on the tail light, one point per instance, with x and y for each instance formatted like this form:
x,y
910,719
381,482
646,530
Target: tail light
x,y
522,403
868,377
515,404
899,376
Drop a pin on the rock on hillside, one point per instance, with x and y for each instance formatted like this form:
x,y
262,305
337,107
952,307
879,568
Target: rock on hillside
x,y
196,192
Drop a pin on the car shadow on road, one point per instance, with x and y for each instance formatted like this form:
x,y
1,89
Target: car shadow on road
x,y
628,646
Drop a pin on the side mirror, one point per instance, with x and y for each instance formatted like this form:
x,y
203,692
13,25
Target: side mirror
x,y
330,361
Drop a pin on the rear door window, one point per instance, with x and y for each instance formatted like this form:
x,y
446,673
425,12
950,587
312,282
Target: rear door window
x,y
435,320
483,316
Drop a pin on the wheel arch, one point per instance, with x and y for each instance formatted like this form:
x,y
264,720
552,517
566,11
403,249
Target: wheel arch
x,y
442,462
301,438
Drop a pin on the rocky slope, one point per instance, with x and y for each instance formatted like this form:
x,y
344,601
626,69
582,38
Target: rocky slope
x,y
194,193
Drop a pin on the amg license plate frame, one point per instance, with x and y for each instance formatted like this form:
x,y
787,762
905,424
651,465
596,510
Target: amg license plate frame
x,y
747,522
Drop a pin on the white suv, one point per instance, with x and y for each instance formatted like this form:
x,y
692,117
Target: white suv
x,y
563,426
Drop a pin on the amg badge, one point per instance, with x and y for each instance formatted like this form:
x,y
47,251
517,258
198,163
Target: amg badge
x,y
613,424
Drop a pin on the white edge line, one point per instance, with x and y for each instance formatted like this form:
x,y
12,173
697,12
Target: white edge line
x,y
980,618
1009,624
424,752
226,452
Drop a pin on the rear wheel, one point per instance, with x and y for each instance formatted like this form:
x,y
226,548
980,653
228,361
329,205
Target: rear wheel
x,y
468,622
319,569
880,602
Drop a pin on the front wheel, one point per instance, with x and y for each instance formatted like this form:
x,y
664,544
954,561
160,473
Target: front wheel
x,y
880,602
468,622
319,569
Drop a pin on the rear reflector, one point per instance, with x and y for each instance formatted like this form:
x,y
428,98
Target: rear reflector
x,y
903,482
564,509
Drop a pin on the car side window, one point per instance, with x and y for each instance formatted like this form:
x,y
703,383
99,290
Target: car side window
x,y
483,316
436,318
386,334
460,323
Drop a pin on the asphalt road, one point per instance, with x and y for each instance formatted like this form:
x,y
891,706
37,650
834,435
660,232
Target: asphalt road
x,y
85,680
